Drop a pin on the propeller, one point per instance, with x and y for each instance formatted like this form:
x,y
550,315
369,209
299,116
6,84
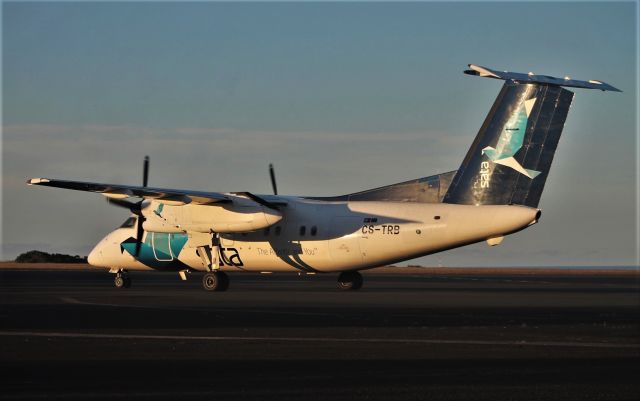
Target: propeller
x,y
136,207
145,171
141,219
273,179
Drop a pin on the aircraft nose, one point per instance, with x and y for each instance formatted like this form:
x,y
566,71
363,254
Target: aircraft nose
x,y
95,256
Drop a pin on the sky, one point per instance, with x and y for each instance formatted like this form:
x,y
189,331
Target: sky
x,y
341,97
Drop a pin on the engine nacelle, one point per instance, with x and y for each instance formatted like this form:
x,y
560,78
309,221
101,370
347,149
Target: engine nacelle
x,y
227,218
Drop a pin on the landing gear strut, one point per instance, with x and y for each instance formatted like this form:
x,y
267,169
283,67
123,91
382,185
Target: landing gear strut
x,y
215,281
349,281
122,279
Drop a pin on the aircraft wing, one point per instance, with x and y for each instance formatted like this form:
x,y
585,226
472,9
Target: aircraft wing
x,y
175,196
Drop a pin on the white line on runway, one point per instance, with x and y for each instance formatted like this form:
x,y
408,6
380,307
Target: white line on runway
x,y
316,339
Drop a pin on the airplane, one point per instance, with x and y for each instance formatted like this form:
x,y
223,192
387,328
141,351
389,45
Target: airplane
x,y
495,192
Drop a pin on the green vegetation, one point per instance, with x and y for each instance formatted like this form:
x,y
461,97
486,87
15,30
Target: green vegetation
x,y
44,257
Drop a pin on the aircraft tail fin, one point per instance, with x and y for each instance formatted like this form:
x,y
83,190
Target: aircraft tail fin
x,y
510,158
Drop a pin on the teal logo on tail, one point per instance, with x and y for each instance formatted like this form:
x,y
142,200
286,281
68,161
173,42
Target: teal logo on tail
x,y
511,140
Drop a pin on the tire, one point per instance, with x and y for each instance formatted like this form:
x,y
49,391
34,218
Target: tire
x,y
349,281
210,281
215,281
119,282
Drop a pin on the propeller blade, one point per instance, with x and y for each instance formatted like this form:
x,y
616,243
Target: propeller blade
x,y
273,179
145,171
139,233
137,207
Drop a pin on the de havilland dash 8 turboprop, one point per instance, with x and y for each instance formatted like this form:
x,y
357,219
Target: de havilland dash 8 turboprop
x,y
495,192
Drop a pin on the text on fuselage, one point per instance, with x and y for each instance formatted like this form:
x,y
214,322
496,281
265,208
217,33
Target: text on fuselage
x,y
387,229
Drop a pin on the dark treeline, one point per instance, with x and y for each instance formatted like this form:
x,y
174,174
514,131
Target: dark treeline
x,y
44,257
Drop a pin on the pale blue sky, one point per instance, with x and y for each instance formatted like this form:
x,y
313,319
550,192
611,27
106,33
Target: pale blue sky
x,y
340,96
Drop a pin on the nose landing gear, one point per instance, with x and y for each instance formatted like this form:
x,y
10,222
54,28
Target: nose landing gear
x,y
122,279
215,281
349,281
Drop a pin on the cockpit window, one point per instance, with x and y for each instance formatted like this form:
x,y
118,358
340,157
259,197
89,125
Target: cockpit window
x,y
128,223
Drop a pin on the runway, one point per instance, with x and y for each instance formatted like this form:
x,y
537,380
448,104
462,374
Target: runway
x,y
71,335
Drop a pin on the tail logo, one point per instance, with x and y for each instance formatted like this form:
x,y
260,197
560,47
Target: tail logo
x,y
511,140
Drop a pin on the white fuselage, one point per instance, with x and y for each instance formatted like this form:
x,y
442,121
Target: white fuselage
x,y
320,236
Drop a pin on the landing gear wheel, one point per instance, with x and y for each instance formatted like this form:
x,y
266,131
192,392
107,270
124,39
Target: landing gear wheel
x,y
215,281
122,280
349,281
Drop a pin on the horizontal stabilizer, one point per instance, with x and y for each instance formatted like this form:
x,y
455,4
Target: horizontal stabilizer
x,y
538,79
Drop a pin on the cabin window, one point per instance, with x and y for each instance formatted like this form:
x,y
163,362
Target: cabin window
x,y
303,230
130,222
436,217
278,230
314,231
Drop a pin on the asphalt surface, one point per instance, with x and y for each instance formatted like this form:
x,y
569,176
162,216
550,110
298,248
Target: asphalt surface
x,y
71,335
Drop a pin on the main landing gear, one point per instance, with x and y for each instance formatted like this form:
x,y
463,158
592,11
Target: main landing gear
x,y
349,281
215,281
122,279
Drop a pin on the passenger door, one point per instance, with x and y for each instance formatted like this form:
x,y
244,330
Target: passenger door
x,y
161,243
